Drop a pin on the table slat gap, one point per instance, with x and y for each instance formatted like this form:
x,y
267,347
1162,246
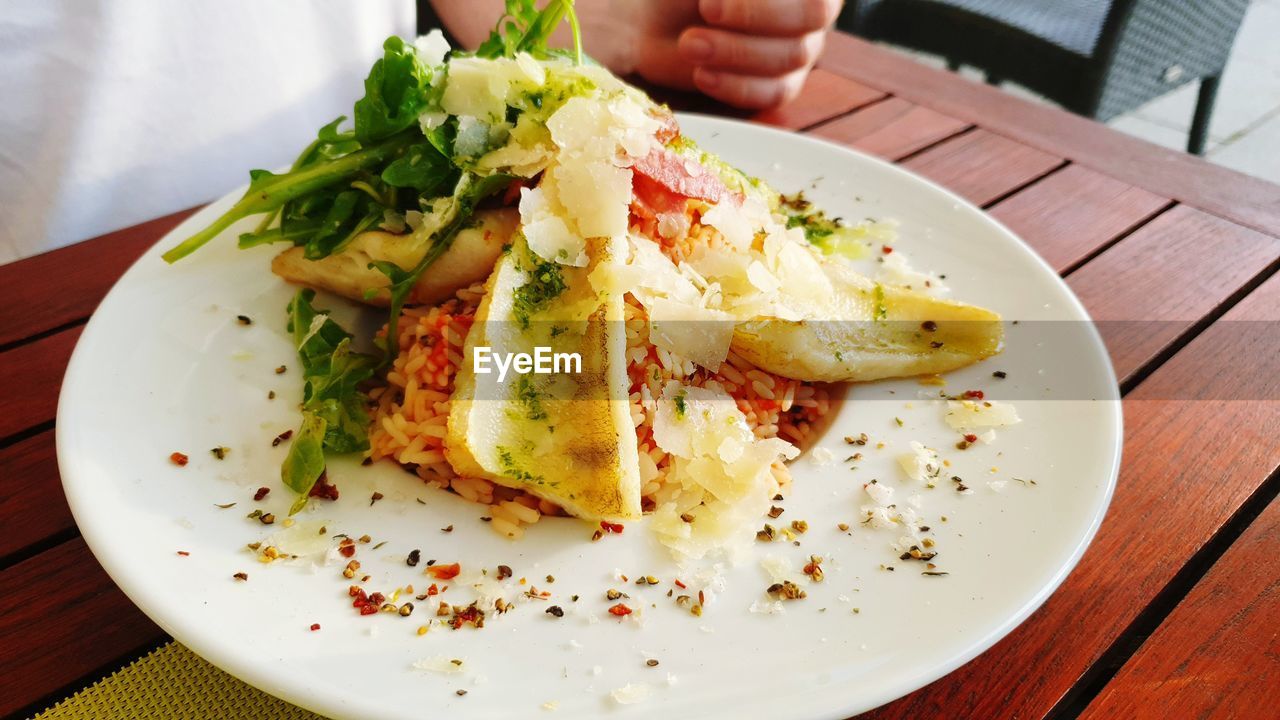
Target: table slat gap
x,y
1194,664
1214,189
57,288
1026,185
892,128
981,166
1138,289
30,376
32,503
1135,638
36,661
1090,256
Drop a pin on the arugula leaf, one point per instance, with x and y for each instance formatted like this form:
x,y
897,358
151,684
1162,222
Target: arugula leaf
x,y
397,90
523,28
422,167
334,415
305,463
468,193
268,192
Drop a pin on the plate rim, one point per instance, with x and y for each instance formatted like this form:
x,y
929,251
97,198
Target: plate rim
x,y
258,674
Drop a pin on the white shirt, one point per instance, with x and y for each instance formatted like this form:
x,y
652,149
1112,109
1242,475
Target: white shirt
x,y
113,112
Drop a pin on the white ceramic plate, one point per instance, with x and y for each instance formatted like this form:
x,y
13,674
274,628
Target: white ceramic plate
x,y
164,366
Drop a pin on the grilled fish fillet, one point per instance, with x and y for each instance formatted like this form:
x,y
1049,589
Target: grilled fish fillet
x,y
469,260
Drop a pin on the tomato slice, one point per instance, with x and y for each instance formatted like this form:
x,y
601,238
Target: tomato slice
x,y
680,177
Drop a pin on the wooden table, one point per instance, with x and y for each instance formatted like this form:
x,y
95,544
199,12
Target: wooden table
x,y
1173,612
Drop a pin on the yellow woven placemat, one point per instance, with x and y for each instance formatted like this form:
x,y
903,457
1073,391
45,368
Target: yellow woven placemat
x,y
173,682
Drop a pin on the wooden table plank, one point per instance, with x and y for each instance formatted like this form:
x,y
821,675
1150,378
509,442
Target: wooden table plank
x,y
1218,654
982,166
825,95
30,376
1248,201
61,286
891,129
1165,277
31,499
1189,464
1071,213
62,619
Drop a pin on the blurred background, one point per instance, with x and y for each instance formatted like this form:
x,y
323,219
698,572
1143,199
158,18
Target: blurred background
x,y
1196,75
120,111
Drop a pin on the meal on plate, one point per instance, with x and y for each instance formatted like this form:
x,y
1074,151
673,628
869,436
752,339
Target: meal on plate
x,y
587,315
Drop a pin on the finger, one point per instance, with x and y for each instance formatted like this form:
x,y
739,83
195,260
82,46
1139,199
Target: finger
x,y
748,54
658,62
749,91
770,17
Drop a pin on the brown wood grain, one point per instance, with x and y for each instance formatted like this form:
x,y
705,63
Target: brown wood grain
x,y
825,95
1188,465
61,620
1155,284
1218,654
1071,213
32,505
1169,173
30,377
980,166
54,288
892,128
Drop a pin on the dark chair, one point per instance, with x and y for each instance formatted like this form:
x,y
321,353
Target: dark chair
x,y
1098,58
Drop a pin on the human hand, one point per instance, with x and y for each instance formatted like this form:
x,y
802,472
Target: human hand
x,y
748,53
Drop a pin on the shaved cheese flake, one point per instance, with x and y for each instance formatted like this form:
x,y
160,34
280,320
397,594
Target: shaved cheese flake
x,y
731,222
880,493
630,694
760,276
595,194
725,497
431,47
476,87
546,232
921,464
700,334
971,414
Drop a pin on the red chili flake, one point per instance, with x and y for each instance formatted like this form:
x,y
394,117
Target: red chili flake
x,y
444,572
886,249
354,590
183,553
681,585
261,493
619,610
368,609
973,395
433,590
323,490
971,438
470,614
347,547
282,437
611,527
315,627
178,459
377,598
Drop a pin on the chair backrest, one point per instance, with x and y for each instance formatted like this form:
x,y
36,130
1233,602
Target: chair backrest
x,y
1150,47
